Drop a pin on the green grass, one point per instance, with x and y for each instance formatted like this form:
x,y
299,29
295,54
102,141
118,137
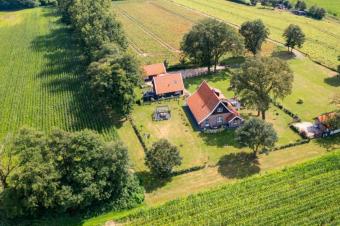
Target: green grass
x,y
307,194
169,22
332,6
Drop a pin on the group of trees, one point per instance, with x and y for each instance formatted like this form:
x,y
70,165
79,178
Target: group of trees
x,y
113,73
314,11
64,172
19,4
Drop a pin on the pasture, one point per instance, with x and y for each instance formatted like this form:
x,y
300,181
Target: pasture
x,y
332,6
165,22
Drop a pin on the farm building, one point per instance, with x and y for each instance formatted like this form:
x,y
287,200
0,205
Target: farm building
x,y
166,85
153,70
211,109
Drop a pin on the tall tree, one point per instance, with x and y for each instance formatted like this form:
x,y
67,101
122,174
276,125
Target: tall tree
x,y
262,79
113,79
209,40
162,157
254,33
294,37
256,134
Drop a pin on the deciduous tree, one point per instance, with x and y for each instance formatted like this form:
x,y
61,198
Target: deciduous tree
x,y
209,40
162,157
294,36
256,134
262,79
254,33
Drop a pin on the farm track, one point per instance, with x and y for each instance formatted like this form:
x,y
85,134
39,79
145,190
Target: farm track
x,y
151,34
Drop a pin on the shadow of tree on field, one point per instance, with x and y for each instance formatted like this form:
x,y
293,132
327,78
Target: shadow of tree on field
x,y
65,76
329,143
333,81
238,165
150,182
284,55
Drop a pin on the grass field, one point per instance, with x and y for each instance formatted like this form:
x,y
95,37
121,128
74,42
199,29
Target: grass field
x,y
307,194
332,6
165,22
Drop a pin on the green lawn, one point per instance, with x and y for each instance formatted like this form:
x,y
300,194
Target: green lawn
x,y
332,6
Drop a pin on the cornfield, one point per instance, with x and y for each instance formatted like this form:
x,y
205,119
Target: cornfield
x,y
308,194
42,83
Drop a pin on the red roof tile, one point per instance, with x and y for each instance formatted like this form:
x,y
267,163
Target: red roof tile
x,y
154,69
168,83
203,102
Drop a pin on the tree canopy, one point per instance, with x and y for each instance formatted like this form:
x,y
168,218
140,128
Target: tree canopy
x,y
262,79
294,36
162,157
209,40
256,134
67,172
254,33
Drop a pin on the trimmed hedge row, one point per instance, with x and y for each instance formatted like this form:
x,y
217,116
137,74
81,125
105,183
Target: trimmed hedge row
x,y
295,117
139,136
300,142
188,170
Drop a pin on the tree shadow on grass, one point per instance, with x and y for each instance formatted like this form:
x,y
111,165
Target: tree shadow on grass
x,y
238,165
221,139
329,143
65,76
333,81
150,182
284,55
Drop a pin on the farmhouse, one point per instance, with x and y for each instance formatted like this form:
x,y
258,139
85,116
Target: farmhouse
x,y
166,85
153,70
211,109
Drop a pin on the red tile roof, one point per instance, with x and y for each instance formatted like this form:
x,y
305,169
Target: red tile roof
x,y
168,83
154,69
203,102
325,117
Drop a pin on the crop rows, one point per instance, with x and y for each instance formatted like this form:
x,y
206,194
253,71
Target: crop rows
x,y
41,77
305,195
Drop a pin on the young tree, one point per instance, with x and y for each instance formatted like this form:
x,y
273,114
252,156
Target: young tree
x,y
256,134
209,40
294,37
113,79
254,33
261,80
162,157
300,5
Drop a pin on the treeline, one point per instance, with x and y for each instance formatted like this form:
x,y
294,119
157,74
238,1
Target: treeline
x,y
20,4
112,73
61,172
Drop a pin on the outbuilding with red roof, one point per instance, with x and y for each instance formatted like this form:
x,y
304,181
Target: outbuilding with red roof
x,y
153,70
168,85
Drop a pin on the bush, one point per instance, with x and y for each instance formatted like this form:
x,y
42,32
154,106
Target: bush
x,y
317,12
162,157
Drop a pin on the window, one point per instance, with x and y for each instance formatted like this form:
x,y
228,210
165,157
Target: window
x,y
207,123
219,119
220,109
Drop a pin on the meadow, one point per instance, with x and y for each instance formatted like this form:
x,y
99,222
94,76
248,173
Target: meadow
x,y
332,6
168,20
307,194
